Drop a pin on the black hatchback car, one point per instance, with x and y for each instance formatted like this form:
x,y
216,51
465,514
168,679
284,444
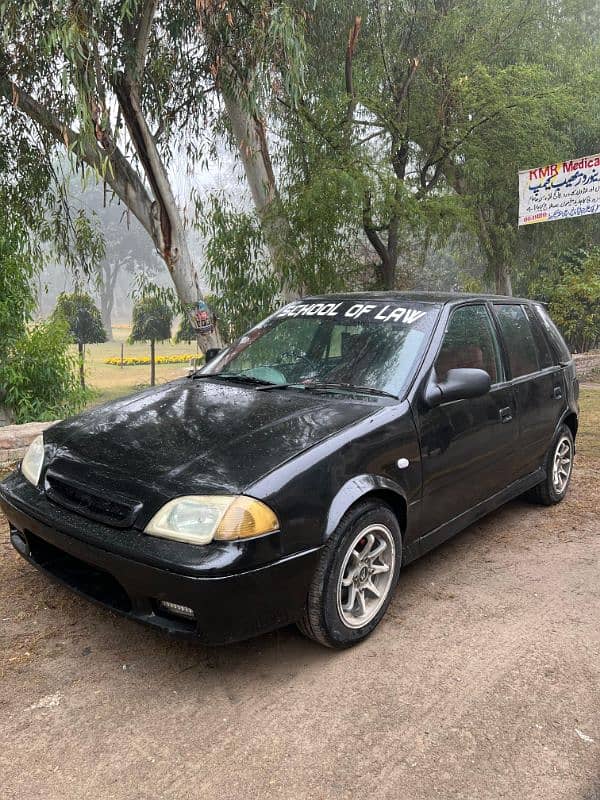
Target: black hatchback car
x,y
290,478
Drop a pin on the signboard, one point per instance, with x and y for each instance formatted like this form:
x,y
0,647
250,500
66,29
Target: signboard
x,y
559,191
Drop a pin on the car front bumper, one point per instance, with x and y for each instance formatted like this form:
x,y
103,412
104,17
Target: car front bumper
x,y
226,608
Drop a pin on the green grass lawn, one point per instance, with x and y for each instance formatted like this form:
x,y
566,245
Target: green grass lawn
x,y
588,436
109,382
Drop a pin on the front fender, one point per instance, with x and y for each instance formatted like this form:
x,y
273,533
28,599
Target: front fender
x,y
352,491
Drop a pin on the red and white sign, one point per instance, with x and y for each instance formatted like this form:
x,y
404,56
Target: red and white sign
x,y
559,191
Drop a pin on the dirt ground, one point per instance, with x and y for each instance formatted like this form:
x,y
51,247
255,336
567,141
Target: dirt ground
x,y
482,682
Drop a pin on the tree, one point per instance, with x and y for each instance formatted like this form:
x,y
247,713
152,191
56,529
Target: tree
x,y
133,75
151,321
428,109
570,286
130,252
251,46
84,320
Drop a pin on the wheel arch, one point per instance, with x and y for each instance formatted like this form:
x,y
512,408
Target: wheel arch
x,y
572,422
364,487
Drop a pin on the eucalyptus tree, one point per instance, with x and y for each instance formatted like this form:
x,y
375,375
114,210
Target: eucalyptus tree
x,y
126,86
256,46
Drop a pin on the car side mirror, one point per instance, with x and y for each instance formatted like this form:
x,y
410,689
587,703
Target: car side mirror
x,y
460,384
211,354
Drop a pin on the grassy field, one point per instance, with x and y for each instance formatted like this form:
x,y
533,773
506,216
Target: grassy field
x,y
109,382
588,436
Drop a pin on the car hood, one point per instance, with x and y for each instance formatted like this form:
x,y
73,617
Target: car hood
x,y
197,436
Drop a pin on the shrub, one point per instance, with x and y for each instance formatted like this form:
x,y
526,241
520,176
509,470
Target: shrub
x,y
39,379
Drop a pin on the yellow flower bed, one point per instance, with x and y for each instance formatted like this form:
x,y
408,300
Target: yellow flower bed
x,y
182,358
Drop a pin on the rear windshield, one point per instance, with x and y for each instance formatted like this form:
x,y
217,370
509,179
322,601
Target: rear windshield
x,y
350,343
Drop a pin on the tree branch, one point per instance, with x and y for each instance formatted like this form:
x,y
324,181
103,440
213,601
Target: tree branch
x,y
119,174
142,36
152,164
401,94
371,231
352,40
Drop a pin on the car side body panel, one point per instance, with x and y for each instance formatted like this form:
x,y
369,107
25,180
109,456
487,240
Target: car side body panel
x,y
327,479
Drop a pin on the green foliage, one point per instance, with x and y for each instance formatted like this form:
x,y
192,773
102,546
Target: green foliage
x,y
38,380
151,320
447,104
238,270
16,296
185,332
571,287
82,316
37,377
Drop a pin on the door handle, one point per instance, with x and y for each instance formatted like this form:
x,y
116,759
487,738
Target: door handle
x,y
505,414
557,393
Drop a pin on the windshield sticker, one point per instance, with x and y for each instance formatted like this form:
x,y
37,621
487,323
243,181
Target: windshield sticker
x,y
373,311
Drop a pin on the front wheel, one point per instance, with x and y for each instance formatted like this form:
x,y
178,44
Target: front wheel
x,y
356,577
559,467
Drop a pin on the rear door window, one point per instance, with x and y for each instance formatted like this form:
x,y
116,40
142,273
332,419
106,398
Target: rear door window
x,y
518,339
470,342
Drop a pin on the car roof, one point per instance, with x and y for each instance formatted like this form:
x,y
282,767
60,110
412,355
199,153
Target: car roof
x,y
437,298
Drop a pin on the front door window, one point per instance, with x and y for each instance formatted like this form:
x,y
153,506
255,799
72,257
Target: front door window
x,y
470,342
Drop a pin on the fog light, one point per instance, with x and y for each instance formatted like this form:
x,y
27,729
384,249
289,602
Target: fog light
x,y
176,608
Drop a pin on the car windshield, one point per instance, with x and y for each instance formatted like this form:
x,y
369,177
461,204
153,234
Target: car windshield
x,y
348,345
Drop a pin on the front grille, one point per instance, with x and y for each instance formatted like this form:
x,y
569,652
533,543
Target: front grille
x,y
112,509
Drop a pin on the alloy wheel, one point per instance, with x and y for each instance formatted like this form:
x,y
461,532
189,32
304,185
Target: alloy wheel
x,y
366,575
562,464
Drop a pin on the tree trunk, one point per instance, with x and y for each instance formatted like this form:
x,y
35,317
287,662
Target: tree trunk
x,y
152,363
106,290
167,228
106,321
106,304
250,137
503,279
81,364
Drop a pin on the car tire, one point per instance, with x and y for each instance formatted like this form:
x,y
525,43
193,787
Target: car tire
x,y
363,554
559,468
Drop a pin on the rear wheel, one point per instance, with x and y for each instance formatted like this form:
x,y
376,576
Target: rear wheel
x,y
559,467
356,577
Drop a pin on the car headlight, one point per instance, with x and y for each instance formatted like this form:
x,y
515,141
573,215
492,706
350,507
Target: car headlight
x,y
33,460
198,519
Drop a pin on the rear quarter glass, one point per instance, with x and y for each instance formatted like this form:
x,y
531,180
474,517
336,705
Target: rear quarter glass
x,y
556,340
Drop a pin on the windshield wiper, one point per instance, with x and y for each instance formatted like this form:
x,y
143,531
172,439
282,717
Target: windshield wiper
x,y
348,387
234,377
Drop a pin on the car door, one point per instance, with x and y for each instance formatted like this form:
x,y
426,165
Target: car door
x,y
466,445
537,381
